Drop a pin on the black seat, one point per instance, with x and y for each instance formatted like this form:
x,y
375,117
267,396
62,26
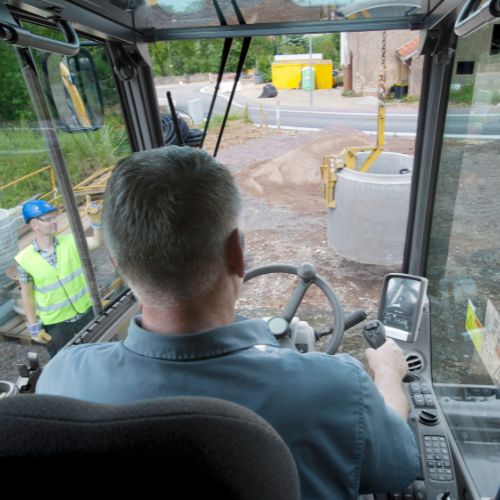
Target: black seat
x,y
197,447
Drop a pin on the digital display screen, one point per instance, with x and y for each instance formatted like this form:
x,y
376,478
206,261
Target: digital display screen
x,y
402,297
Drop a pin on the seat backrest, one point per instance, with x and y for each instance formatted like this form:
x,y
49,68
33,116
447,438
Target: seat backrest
x,y
202,447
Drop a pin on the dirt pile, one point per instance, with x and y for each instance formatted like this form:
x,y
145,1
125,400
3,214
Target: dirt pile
x,y
294,178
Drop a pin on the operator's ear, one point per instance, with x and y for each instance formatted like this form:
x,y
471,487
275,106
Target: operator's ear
x,y
234,253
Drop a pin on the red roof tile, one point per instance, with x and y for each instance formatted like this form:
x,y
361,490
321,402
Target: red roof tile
x,y
409,49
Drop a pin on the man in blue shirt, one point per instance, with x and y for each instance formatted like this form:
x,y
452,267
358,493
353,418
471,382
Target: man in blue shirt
x,y
172,221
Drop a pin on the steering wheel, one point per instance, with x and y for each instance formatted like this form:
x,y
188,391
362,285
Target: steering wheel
x,y
279,325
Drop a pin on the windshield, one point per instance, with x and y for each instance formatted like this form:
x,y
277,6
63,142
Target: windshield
x,y
279,134
464,259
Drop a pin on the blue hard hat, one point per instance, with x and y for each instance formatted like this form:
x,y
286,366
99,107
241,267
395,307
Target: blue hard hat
x,y
36,208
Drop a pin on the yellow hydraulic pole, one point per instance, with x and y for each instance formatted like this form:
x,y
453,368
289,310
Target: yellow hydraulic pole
x,y
377,150
76,98
347,158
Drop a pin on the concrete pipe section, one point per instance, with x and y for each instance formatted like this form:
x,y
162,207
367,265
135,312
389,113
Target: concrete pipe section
x,y
369,222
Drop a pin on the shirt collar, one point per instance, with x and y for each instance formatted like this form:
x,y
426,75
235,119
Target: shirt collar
x,y
187,347
36,248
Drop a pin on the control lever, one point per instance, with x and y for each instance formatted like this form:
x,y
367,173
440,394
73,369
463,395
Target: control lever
x,y
351,319
374,333
444,496
28,374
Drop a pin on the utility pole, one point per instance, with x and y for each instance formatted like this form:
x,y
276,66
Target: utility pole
x,y
311,74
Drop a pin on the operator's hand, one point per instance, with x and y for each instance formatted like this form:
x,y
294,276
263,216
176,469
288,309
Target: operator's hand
x,y
388,359
38,334
94,212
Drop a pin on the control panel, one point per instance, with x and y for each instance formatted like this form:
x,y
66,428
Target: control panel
x,y
404,315
437,457
436,479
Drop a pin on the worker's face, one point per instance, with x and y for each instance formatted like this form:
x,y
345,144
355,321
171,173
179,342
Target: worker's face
x,y
45,224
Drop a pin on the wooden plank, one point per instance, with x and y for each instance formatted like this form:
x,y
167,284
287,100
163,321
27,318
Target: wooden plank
x,y
12,323
23,337
17,330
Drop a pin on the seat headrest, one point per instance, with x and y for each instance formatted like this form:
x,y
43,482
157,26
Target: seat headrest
x,y
205,444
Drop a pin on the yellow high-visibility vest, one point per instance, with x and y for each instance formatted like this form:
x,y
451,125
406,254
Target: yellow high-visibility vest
x,y
61,292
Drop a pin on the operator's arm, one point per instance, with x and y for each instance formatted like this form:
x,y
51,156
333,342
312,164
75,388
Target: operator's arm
x,y
28,301
389,367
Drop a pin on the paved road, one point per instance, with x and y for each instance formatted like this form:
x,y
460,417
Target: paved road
x,y
460,121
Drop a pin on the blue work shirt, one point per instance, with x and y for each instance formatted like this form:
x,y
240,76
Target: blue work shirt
x,y
344,439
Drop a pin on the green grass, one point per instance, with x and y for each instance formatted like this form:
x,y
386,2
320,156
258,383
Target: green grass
x,y
23,150
411,98
216,120
463,95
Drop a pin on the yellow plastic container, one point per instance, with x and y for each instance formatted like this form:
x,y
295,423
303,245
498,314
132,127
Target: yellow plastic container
x,y
288,74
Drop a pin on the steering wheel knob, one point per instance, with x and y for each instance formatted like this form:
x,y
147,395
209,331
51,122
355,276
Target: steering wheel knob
x,y
306,271
278,326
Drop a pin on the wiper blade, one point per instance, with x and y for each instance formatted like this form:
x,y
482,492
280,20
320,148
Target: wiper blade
x,y
243,55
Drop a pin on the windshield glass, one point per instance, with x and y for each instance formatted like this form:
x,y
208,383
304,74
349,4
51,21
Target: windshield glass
x,y
283,135
464,259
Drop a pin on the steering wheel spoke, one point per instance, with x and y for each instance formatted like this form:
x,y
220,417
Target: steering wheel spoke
x,y
295,300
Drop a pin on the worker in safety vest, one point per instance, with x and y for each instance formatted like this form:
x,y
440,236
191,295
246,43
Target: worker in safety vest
x,y
54,292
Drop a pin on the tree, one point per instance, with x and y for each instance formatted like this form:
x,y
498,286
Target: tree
x,y
293,44
329,46
15,104
261,55
160,56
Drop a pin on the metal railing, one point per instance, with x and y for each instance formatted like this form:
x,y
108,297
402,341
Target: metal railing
x,y
32,174
84,187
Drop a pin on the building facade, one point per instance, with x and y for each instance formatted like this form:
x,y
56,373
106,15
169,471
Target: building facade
x,y
403,65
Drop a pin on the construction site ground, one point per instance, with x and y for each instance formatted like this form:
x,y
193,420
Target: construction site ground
x,y
285,222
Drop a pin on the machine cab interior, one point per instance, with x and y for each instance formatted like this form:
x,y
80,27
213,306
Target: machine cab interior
x,y
383,209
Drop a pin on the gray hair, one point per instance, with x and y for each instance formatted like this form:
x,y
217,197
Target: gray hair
x,y
167,215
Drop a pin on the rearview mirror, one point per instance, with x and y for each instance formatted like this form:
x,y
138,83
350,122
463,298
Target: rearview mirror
x,y
401,305
74,91
475,14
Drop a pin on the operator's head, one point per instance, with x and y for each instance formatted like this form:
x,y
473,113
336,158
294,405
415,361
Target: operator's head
x,y
41,216
170,215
